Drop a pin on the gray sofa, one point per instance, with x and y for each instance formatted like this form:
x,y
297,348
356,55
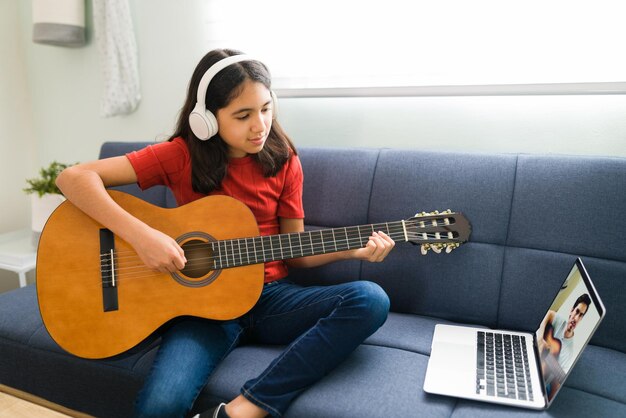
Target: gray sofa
x,y
531,217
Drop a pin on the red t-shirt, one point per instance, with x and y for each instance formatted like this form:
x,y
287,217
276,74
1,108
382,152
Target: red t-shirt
x,y
169,164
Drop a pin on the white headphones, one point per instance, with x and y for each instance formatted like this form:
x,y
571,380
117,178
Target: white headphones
x,y
203,122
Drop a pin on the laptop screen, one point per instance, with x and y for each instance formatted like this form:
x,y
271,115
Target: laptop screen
x,y
567,327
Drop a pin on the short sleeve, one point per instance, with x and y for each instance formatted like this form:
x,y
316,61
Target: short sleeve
x,y
159,164
290,203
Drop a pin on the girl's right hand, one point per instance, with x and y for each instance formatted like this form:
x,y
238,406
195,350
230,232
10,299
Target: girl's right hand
x,y
159,252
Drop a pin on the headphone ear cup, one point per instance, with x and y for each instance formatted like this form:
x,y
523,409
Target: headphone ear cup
x,y
274,105
203,123
211,123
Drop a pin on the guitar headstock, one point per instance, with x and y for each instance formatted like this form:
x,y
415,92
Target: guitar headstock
x,y
438,230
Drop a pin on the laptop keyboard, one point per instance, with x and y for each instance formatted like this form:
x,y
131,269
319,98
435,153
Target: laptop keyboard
x,y
502,366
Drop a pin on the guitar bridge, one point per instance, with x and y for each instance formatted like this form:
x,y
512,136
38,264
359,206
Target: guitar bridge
x,y
108,271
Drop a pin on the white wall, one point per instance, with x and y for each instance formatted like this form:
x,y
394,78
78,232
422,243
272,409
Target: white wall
x,y
49,109
17,153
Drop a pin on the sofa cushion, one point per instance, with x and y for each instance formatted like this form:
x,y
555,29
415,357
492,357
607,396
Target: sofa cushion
x,y
560,199
413,181
337,184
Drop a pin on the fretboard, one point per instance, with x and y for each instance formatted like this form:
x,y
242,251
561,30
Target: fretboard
x,y
263,249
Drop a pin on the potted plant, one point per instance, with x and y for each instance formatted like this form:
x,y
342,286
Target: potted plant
x,y
45,196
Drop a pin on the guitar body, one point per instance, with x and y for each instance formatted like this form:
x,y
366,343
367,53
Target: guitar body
x,y
70,282
551,368
553,344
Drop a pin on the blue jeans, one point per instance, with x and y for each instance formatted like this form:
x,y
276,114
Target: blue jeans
x,y
320,327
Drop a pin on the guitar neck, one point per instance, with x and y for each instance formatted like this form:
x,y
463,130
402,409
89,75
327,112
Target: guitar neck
x,y
263,249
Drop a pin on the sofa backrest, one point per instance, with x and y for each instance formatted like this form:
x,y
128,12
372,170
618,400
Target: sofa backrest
x,y
531,217
158,195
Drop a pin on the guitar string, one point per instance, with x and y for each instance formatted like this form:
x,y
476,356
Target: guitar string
x,y
255,250
140,270
352,230
124,264
265,238
397,225
257,254
225,259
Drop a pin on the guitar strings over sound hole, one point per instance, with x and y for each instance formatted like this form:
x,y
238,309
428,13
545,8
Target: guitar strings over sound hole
x,y
199,258
199,270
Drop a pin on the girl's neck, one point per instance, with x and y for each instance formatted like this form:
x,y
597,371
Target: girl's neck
x,y
240,160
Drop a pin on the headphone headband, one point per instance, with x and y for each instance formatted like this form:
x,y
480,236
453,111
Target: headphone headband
x,y
202,122
213,70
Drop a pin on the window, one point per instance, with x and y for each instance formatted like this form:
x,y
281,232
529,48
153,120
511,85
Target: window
x,y
428,47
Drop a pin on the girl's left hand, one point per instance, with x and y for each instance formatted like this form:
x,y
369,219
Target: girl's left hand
x,y
377,248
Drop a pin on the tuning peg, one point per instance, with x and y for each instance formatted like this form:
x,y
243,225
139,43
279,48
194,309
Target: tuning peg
x,y
451,246
424,248
436,248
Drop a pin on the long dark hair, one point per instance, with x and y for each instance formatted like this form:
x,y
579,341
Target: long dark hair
x,y
209,159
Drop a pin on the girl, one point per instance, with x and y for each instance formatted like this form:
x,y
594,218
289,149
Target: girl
x,y
246,155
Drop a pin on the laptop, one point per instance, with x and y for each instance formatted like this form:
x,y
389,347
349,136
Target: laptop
x,y
517,368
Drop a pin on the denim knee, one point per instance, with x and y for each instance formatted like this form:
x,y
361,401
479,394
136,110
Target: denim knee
x,y
374,303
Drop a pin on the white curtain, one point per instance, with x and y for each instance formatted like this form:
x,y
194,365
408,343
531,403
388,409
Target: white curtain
x,y
118,56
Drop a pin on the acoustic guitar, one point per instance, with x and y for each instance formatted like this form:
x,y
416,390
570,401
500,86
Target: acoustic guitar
x,y
553,373
97,299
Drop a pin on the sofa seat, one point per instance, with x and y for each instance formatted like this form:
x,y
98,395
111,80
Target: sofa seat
x,y
388,369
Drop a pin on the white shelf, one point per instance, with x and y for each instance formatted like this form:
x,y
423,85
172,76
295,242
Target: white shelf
x,y
17,252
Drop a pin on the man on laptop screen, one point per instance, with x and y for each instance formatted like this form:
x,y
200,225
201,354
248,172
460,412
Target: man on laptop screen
x,y
563,332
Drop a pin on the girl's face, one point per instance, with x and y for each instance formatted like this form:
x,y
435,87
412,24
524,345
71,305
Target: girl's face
x,y
245,123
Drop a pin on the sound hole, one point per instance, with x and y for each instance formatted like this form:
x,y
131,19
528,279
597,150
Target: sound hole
x,y
199,258
199,269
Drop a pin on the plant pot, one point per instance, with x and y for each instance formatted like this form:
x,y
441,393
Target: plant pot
x,y
41,209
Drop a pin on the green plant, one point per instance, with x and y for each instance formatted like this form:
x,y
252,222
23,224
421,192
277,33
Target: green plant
x,y
45,183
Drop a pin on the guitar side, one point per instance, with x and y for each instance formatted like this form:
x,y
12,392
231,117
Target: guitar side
x,y
70,281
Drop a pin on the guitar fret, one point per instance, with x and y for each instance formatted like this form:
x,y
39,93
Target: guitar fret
x,y
315,244
327,239
215,259
220,251
218,254
262,249
354,238
290,246
295,236
304,251
254,248
345,233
